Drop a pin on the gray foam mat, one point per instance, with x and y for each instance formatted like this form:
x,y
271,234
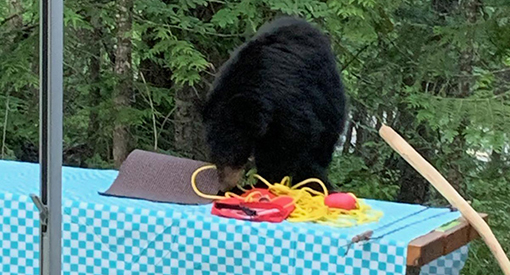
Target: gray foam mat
x,y
162,178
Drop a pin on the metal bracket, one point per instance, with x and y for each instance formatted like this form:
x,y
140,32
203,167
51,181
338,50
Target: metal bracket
x,y
43,210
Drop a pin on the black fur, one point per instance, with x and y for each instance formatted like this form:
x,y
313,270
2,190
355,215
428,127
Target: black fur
x,y
280,99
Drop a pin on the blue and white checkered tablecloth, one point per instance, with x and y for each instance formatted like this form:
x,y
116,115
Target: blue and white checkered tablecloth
x,y
108,235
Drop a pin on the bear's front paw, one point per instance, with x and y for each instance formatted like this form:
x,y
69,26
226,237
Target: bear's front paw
x,y
229,177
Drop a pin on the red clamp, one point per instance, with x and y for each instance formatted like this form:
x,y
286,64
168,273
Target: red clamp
x,y
264,207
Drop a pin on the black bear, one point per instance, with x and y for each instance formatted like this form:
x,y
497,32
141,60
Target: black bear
x,y
280,100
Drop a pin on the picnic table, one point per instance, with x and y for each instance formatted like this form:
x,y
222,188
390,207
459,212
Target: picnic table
x,y
111,235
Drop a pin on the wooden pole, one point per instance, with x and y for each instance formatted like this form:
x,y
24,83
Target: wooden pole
x,y
444,187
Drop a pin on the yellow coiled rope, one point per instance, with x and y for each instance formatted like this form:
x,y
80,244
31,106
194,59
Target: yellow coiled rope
x,y
309,203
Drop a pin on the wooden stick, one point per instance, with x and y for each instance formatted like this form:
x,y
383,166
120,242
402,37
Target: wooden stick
x,y
443,186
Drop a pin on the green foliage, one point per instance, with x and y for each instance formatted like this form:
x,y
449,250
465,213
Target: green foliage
x,y
440,80
354,176
489,191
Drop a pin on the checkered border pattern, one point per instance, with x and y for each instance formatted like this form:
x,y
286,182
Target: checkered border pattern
x,y
19,235
450,264
102,239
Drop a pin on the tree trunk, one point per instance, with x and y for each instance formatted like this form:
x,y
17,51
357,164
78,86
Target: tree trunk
x,y
182,121
17,9
358,117
158,76
188,129
413,187
469,10
123,91
444,7
348,138
95,92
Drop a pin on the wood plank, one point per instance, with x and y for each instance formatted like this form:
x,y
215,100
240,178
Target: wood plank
x,y
473,234
425,249
435,244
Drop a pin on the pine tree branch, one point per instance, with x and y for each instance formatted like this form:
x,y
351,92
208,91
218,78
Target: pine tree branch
x,y
9,18
355,56
188,29
20,30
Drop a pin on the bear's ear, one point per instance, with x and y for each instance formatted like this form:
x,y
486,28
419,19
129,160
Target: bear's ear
x,y
250,113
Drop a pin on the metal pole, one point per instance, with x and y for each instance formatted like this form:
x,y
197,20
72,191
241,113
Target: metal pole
x,y
50,141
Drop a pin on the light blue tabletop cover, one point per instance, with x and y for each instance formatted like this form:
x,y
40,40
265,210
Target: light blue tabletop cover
x,y
109,235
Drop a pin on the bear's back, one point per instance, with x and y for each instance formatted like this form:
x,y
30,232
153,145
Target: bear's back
x,y
290,64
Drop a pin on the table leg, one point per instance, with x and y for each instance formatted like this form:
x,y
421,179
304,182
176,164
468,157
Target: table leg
x,y
413,270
